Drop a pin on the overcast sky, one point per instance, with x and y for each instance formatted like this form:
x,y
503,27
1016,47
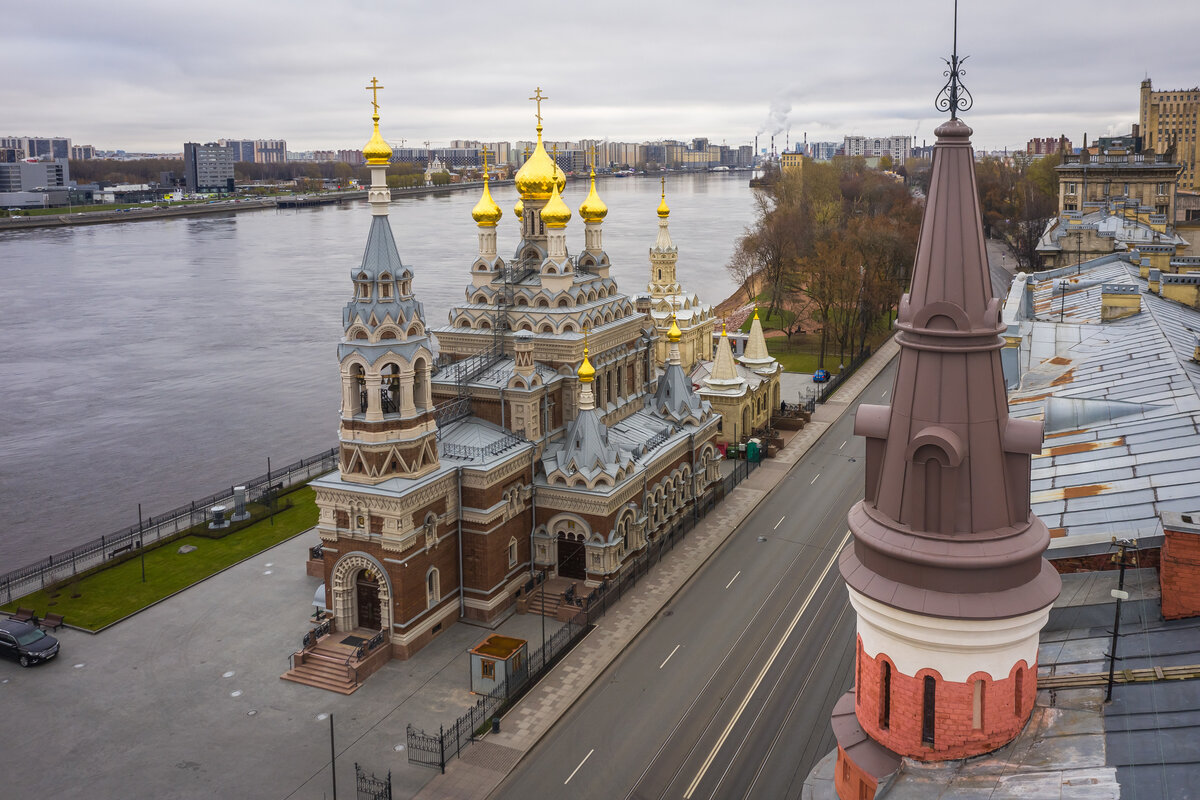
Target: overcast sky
x,y
148,76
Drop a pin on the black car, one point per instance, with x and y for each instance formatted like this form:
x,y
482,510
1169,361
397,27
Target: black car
x,y
26,643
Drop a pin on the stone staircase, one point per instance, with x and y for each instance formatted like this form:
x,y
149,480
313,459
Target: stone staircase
x,y
326,666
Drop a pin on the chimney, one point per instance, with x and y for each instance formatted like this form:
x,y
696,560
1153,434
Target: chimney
x,y
1118,301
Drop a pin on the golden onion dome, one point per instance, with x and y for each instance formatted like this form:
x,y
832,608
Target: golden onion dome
x,y
664,210
537,177
486,213
555,213
674,334
587,373
519,209
376,152
593,208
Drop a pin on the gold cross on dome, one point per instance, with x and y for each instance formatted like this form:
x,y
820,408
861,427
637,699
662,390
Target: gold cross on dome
x,y
538,97
374,90
664,186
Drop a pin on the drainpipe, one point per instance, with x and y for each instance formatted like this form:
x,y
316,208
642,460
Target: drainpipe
x,y
695,497
462,602
532,527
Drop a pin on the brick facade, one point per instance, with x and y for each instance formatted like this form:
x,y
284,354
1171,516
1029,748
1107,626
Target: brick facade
x,y
1179,574
850,781
958,730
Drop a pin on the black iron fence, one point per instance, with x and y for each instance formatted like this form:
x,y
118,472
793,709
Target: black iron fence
x,y
371,788
63,566
435,749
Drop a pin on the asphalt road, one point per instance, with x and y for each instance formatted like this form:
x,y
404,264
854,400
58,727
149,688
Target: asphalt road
x,y
728,693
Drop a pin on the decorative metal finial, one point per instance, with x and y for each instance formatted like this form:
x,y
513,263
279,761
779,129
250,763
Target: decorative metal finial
x,y
954,97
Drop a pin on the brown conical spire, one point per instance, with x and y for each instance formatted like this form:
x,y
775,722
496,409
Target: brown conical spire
x,y
945,527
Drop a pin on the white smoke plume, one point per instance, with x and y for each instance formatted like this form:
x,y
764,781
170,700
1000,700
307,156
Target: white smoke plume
x,y
777,117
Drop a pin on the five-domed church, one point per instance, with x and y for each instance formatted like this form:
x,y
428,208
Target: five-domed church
x,y
546,434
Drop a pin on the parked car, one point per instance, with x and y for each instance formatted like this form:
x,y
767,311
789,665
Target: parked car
x,y
26,644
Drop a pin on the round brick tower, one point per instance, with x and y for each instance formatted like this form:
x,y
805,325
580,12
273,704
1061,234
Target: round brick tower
x,y
946,569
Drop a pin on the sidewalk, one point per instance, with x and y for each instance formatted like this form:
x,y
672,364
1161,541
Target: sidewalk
x,y
486,763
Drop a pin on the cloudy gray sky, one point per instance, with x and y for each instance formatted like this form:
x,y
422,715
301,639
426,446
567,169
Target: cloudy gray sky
x,y
147,76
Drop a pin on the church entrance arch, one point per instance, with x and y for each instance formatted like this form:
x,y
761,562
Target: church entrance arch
x,y
572,555
362,594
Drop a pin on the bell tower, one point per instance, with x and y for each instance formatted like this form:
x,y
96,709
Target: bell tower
x,y
387,427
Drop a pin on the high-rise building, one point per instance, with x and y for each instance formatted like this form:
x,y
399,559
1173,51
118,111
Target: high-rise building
x,y
256,151
897,148
208,167
39,147
82,152
1167,120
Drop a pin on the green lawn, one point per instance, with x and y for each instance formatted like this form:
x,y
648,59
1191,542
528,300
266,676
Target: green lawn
x,y
114,593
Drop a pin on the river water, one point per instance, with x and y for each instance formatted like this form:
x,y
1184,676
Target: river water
x,y
156,362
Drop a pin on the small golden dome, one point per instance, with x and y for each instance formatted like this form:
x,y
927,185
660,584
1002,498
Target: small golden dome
x,y
377,153
555,213
664,210
723,333
756,310
593,208
519,209
674,334
587,373
486,213
537,177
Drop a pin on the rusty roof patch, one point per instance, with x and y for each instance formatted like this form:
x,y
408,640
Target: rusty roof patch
x,y
1066,377
1088,490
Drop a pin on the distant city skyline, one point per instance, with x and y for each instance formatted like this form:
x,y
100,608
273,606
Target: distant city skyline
x,y
146,77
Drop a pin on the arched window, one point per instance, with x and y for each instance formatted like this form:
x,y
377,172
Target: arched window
x,y
433,587
977,705
885,696
1018,687
512,552
928,710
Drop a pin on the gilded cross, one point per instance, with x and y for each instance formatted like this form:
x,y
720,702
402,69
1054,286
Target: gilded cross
x,y
374,90
664,187
554,158
539,97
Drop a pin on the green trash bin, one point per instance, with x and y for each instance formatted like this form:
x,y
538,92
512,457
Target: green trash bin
x,y
752,451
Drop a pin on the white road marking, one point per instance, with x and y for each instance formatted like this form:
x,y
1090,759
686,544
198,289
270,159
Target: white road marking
x,y
762,673
734,578
668,658
814,480
777,524
843,444
885,391
581,763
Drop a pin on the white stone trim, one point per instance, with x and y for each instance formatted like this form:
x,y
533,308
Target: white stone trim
x,y
956,648
449,610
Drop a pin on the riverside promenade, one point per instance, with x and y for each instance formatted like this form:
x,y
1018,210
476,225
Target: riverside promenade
x,y
184,699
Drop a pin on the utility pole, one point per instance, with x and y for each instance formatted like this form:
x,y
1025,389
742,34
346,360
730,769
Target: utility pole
x,y
1119,594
